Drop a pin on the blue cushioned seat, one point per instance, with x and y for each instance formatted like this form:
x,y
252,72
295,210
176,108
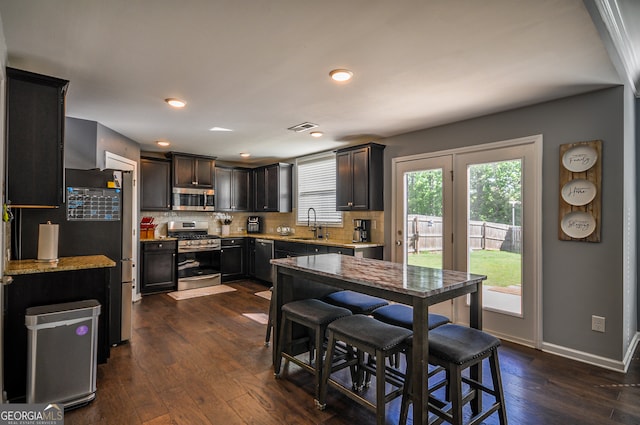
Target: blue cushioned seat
x,y
402,315
356,302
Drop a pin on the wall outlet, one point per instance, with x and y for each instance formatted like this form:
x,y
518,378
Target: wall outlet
x,y
374,225
597,323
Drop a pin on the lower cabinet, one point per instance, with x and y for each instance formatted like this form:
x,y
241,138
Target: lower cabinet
x,y
158,268
233,259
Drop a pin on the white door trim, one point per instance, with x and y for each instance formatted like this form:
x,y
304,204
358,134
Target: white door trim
x,y
536,267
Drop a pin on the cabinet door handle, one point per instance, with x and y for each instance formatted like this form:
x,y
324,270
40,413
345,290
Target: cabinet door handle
x,y
194,182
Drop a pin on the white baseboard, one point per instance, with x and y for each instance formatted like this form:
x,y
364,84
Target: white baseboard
x,y
616,365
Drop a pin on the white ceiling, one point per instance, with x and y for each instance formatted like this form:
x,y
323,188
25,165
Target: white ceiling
x,y
259,67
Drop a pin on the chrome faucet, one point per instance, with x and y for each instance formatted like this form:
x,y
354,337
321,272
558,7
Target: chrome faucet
x,y
313,229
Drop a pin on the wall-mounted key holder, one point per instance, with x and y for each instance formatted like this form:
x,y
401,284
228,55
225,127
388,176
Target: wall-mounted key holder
x,y
580,206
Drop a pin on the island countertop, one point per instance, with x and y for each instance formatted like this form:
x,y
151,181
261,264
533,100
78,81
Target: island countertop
x,y
31,266
391,277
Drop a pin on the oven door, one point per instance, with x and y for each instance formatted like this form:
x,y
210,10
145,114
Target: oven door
x,y
198,268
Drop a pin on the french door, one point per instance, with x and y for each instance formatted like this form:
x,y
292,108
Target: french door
x,y
477,210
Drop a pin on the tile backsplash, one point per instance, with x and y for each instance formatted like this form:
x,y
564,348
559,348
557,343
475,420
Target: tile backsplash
x,y
271,221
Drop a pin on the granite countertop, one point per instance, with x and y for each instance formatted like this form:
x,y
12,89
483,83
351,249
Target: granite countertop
x,y
293,238
17,267
394,277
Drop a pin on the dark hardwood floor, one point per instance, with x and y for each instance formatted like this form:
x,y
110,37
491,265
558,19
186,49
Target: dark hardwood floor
x,y
201,361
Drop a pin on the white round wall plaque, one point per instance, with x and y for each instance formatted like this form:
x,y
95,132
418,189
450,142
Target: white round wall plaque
x,y
578,192
578,224
579,158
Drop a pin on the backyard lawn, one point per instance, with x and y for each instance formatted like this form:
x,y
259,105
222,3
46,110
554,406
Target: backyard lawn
x,y
501,268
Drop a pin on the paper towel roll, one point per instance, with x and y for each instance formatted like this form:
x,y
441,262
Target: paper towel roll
x,y
48,242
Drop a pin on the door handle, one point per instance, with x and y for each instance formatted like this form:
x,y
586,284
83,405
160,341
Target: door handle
x,y
399,242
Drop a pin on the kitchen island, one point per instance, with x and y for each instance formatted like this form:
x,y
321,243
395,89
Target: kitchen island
x,y
419,287
35,283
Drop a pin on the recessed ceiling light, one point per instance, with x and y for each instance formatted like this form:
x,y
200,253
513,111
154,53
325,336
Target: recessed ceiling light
x,y
316,133
162,143
245,154
176,103
341,75
219,129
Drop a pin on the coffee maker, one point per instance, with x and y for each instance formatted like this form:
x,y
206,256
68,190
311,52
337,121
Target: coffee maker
x,y
254,225
361,230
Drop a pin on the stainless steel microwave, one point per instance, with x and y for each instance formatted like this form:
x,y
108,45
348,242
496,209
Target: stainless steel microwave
x,y
185,199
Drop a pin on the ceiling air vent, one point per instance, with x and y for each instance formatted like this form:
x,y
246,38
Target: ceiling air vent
x,y
302,127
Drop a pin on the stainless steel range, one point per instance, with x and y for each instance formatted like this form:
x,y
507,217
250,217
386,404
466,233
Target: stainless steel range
x,y
198,260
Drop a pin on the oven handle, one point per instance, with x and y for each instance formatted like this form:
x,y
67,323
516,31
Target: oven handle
x,y
203,277
187,250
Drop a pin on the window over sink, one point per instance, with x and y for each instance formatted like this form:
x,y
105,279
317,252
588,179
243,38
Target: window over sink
x,y
316,188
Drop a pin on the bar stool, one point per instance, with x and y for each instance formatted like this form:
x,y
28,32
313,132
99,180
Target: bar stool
x,y
456,348
315,315
366,335
267,337
355,301
402,315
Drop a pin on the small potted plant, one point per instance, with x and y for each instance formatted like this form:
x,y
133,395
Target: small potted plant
x,y
225,223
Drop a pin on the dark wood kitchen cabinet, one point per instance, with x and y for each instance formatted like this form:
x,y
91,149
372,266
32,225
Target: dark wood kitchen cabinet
x,y
158,267
155,189
35,106
273,188
233,258
360,172
192,171
232,189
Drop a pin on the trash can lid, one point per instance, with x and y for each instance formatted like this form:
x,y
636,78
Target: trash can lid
x,y
61,312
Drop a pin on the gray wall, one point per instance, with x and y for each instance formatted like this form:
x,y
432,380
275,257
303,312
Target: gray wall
x,y
114,142
578,279
80,143
86,142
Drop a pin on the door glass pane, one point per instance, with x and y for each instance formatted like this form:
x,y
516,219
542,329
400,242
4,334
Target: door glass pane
x,y
423,219
495,232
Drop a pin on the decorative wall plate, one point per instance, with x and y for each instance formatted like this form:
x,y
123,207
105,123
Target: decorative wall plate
x,y
578,224
578,192
579,158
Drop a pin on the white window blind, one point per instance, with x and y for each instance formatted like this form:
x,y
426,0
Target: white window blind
x,y
316,177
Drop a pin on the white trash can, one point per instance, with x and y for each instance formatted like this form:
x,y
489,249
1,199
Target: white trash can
x,y
62,353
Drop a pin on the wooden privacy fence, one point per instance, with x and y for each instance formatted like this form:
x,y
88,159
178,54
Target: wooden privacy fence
x,y
425,234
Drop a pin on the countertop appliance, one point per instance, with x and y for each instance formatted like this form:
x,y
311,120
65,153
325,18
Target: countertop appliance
x,y
198,259
254,224
361,230
91,223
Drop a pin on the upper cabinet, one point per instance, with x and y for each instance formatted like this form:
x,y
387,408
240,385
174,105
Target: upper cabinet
x,y
192,171
156,184
232,189
360,178
273,188
35,106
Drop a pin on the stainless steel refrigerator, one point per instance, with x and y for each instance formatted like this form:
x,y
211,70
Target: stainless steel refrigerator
x,y
85,231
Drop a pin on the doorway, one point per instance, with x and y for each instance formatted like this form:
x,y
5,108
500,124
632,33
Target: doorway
x,y
477,209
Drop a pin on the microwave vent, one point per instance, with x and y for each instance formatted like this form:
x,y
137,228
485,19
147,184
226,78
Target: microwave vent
x,y
302,127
